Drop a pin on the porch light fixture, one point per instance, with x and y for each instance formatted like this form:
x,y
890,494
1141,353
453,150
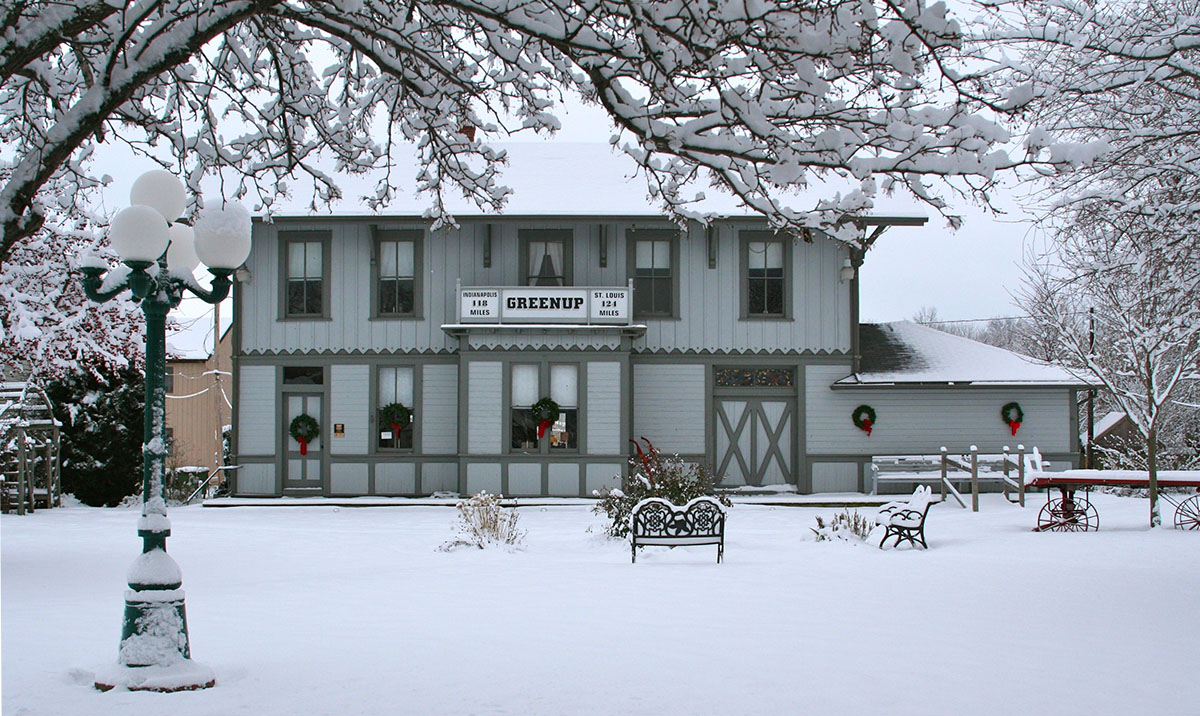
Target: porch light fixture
x,y
161,255
847,272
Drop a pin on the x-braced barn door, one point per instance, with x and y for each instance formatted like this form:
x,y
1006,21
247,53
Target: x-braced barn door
x,y
754,441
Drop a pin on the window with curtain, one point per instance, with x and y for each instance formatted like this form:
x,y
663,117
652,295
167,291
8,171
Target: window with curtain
x,y
530,382
397,278
764,278
653,280
305,278
547,263
395,386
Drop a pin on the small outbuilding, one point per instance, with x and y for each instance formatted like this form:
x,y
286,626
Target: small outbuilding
x,y
29,449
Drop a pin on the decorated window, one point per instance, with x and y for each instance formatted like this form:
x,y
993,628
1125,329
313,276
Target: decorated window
x,y
544,411
653,274
305,278
303,375
755,377
765,278
397,277
394,409
546,257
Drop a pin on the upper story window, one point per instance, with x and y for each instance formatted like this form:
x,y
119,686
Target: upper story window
x,y
306,275
654,272
530,383
546,257
395,386
397,273
764,275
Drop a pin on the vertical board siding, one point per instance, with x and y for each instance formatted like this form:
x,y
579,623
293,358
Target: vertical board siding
x,y
835,477
485,380
348,478
920,420
668,406
256,478
604,408
710,300
439,408
257,423
350,401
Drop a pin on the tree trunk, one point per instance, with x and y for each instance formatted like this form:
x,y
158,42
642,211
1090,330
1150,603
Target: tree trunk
x,y
1152,469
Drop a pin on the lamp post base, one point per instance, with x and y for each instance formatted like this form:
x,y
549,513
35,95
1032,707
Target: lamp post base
x,y
183,675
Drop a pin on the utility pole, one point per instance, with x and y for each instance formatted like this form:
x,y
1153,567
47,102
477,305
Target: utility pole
x,y
1090,452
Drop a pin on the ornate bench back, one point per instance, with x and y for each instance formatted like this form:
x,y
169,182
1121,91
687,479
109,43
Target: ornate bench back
x,y
655,517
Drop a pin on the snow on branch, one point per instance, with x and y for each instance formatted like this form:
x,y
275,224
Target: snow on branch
x,y
765,100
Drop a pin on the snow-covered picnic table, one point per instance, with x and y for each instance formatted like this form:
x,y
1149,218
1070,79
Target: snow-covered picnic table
x,y
1070,512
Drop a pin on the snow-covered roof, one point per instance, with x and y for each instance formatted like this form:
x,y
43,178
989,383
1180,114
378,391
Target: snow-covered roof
x,y
551,178
1108,422
905,353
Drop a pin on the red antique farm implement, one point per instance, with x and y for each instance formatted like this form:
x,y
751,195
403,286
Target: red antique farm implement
x,y
1071,511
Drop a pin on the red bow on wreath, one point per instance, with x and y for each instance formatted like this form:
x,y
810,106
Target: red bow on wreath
x,y
863,417
1013,416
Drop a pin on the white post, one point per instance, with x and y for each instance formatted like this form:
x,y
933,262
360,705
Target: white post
x,y
1021,473
974,478
944,473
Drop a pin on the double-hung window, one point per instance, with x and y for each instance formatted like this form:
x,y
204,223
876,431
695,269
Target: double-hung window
x,y
530,383
306,278
546,257
397,274
765,285
395,386
654,273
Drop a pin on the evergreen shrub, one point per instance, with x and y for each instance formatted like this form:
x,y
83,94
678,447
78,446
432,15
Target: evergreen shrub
x,y
652,475
102,416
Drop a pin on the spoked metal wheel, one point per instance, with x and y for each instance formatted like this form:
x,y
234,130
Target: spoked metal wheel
x,y
1187,515
1068,515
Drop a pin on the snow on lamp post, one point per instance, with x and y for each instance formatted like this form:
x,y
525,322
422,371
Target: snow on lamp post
x,y
160,256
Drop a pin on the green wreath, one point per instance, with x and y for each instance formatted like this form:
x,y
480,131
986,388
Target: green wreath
x,y
395,414
544,410
863,417
304,429
544,413
1012,415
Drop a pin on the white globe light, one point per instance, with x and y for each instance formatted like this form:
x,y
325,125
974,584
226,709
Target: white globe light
x,y
181,254
138,233
162,191
223,236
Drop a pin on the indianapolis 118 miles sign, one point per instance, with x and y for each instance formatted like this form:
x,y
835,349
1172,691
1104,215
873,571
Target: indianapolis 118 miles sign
x,y
532,304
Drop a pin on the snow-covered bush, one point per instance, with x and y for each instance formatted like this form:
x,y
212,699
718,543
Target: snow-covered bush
x,y
846,526
651,475
484,522
102,420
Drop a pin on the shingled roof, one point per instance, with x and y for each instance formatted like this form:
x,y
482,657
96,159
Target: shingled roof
x,y
909,353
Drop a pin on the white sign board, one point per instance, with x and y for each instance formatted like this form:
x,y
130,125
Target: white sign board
x,y
609,305
534,304
543,305
479,305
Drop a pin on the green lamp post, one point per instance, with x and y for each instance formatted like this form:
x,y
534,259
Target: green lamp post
x,y
160,257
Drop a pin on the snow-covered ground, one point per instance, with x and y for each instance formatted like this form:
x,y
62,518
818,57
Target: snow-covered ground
x,y
316,610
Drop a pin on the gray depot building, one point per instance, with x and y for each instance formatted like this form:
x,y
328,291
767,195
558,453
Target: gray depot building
x,y
726,343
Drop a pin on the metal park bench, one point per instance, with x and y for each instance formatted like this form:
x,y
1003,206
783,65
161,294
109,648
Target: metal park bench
x,y
906,520
655,521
